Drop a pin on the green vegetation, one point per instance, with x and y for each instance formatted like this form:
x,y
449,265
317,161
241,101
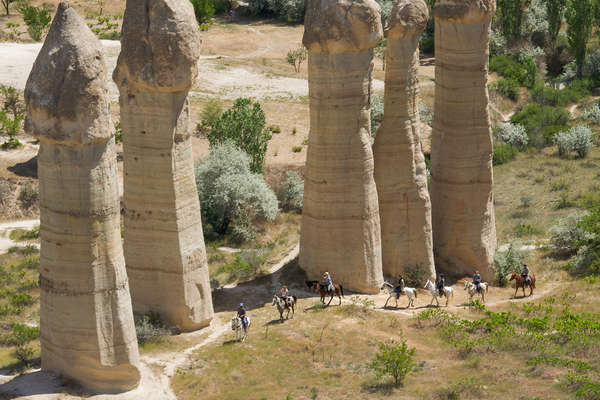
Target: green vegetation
x,y
19,235
504,153
376,113
573,93
541,122
393,359
507,262
295,57
37,19
507,88
234,199
150,329
244,126
579,15
204,10
522,73
291,192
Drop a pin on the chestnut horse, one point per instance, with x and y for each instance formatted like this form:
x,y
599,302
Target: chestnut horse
x,y
520,283
322,289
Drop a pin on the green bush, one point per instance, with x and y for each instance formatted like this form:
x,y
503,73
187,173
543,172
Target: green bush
x,y
245,265
376,113
28,196
507,262
508,88
21,300
291,192
149,328
513,134
523,73
288,10
297,149
230,194
22,334
526,230
504,153
393,359
211,112
541,122
547,96
37,19
427,44
565,236
578,139
203,10
244,126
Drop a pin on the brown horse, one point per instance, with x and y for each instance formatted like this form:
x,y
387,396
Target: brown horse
x,y
322,289
520,283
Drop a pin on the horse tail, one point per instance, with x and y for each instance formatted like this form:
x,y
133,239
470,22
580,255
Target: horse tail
x,y
342,290
487,287
295,299
416,293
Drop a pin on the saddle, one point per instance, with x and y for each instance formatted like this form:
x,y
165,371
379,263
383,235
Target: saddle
x,y
527,280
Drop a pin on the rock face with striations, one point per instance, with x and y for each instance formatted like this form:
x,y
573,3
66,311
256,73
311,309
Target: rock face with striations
x,y
86,321
164,246
464,231
340,218
400,173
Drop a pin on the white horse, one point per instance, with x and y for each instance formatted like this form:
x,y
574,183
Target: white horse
x,y
435,293
241,331
282,305
411,293
472,290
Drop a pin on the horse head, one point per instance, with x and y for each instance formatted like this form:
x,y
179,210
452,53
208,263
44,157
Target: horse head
x,y
312,284
513,276
467,284
428,284
275,300
385,284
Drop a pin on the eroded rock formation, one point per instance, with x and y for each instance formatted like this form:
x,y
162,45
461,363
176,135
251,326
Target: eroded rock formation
x,y
164,246
340,217
400,173
86,322
464,232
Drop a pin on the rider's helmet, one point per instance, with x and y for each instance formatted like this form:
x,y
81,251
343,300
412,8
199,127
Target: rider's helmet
x,y
284,287
442,275
241,304
476,272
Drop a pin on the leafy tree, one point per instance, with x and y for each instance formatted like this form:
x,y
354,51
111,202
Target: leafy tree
x,y
244,126
395,360
6,4
510,16
12,101
291,193
555,10
579,15
37,19
297,57
11,127
230,194
204,10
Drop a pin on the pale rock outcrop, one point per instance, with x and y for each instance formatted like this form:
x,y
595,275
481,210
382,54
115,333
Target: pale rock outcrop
x,y
164,246
400,172
86,321
340,218
464,231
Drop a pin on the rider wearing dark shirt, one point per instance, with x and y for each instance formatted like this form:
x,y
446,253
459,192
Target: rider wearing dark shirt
x,y
477,280
400,288
525,274
440,284
241,312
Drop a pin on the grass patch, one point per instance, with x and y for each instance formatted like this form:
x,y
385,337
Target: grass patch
x,y
20,235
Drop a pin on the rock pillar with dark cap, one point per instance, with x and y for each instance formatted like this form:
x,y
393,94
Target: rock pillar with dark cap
x,y
86,322
400,172
464,229
164,245
340,218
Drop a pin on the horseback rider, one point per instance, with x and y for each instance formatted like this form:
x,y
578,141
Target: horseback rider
x,y
284,294
241,313
477,281
400,288
525,275
328,282
440,284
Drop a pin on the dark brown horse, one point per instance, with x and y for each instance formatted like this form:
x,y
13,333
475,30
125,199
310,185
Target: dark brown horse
x,y
520,283
322,289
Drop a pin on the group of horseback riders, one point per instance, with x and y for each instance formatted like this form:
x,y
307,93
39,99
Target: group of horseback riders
x,y
439,284
441,281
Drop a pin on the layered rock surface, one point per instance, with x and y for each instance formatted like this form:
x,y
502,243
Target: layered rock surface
x,y
464,232
340,218
400,172
164,245
86,321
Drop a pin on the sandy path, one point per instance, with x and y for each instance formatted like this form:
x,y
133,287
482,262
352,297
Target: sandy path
x,y
7,227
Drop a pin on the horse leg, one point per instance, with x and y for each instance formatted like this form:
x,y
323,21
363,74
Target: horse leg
x,y
388,299
339,298
516,290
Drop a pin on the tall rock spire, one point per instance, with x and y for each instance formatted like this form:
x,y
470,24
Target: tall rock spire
x,y
400,172
164,245
86,321
464,229
340,217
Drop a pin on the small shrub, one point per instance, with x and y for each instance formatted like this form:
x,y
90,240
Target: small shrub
x,y
275,129
524,73
578,139
395,360
563,201
508,88
296,57
526,201
28,196
541,122
31,262
297,149
112,35
592,114
559,186
567,233
211,112
504,154
24,354
118,132
21,300
509,261
526,230
513,134
376,113
415,275
203,10
37,19
291,192
23,334
149,328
